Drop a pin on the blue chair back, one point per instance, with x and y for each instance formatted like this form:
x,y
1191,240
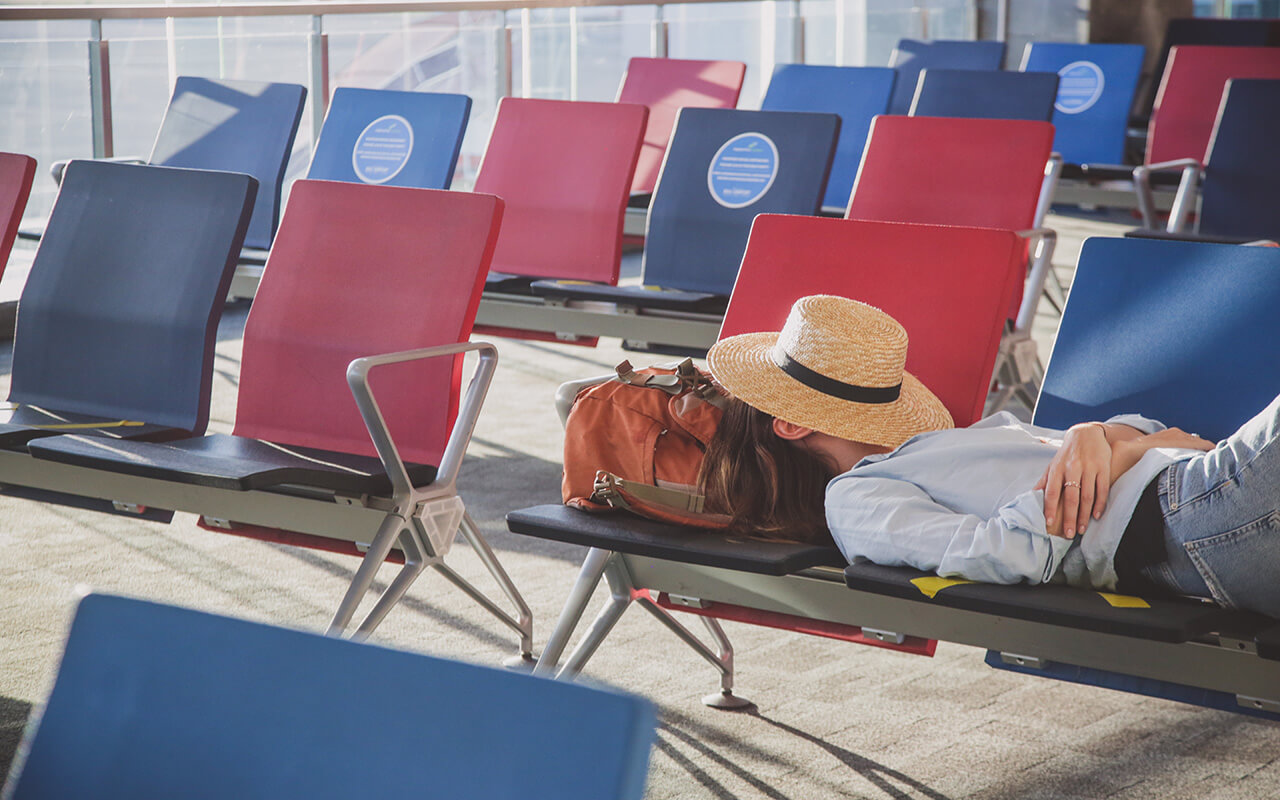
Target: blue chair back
x,y
724,167
1242,177
1182,332
911,56
985,94
391,138
855,94
1096,86
234,126
157,701
120,312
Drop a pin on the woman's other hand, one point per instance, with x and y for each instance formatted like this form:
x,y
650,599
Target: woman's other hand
x,y
1078,480
1125,454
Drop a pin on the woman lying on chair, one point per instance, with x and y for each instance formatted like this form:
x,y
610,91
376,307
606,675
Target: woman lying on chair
x,y
829,418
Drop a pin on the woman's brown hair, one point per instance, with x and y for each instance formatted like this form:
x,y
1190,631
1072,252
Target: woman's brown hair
x,y
773,488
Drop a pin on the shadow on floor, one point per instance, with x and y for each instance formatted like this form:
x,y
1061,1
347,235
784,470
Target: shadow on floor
x,y
13,719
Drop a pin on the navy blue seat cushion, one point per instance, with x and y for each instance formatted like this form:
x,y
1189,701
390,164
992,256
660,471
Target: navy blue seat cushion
x,y
624,533
1166,620
119,315
27,422
227,462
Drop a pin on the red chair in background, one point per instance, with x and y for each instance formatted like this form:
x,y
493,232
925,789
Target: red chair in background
x,y
665,85
16,174
991,173
563,168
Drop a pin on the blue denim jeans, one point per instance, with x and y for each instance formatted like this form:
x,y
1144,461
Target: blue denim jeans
x,y
1222,519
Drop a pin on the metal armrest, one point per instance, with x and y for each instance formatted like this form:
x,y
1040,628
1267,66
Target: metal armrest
x,y
1041,242
1052,171
463,426
1183,201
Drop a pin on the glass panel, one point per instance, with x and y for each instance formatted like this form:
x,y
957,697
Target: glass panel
x,y
44,108
147,55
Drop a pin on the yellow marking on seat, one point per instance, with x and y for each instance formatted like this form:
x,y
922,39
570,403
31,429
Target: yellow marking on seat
x,y
80,426
930,586
1123,600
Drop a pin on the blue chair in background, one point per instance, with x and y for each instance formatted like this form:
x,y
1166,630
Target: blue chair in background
x,y
855,94
157,701
911,56
234,126
118,318
1096,86
391,138
231,126
1240,180
985,94
723,167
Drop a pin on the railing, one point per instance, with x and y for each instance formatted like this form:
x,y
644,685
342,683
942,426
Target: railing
x,y
93,80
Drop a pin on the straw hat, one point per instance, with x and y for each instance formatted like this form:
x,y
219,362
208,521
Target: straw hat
x,y
836,367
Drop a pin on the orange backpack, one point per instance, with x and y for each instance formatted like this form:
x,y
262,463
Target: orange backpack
x,y
637,443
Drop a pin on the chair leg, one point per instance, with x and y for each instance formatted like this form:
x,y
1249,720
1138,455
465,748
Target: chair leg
x,y
388,532
415,561
621,592
722,659
522,623
588,578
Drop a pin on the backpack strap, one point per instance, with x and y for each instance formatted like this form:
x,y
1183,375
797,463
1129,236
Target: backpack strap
x,y
656,502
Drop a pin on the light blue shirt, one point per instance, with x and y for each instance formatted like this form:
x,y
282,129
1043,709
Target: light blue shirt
x,y
960,503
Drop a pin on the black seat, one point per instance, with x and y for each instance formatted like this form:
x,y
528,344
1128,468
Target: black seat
x,y
1165,620
624,533
230,462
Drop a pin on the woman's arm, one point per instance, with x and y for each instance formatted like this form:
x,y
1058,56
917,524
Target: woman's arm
x,y
896,523
1078,480
1130,451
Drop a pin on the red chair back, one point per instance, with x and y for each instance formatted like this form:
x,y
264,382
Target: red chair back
x,y
360,270
1191,91
946,285
666,85
564,169
16,174
944,171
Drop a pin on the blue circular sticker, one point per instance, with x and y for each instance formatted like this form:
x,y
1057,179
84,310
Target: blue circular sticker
x,y
382,149
743,170
1080,84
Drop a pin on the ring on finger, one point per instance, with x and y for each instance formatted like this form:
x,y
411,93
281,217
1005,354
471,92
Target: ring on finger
x,y
1071,483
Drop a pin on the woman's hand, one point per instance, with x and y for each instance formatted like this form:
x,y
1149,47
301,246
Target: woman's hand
x,y
1078,480
1125,454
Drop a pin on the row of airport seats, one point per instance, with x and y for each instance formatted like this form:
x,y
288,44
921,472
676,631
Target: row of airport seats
x,y
1179,331
113,362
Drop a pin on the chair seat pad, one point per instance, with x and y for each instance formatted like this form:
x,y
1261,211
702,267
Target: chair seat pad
x,y
1159,619
507,283
639,296
624,533
26,423
221,461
